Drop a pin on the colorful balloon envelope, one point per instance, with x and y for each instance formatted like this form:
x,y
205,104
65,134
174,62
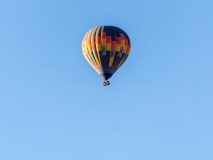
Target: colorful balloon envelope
x,y
106,48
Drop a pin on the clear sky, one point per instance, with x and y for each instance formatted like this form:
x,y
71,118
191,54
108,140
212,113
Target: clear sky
x,y
159,105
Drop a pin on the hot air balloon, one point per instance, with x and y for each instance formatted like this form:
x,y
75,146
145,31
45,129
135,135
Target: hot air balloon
x,y
106,48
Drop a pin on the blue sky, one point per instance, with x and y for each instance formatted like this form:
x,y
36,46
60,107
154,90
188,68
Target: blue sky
x,y
158,106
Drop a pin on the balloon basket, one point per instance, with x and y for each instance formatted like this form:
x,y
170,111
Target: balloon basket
x,y
106,83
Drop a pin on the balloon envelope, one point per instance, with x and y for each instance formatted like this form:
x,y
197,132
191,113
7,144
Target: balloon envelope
x,y
106,48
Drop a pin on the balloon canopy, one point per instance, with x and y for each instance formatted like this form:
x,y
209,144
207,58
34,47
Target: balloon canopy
x,y
106,48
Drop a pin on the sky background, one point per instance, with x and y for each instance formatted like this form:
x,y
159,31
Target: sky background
x,y
159,105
